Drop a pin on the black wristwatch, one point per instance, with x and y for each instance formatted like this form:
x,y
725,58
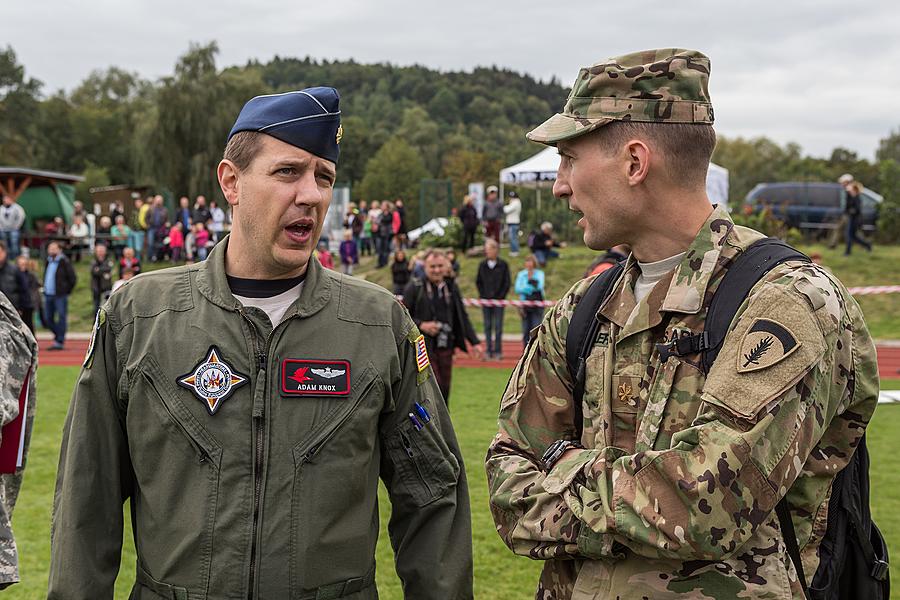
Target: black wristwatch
x,y
556,450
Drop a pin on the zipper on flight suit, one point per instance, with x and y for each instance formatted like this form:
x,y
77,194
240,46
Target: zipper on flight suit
x,y
259,430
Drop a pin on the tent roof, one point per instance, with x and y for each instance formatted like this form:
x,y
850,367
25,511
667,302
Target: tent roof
x,y
39,177
540,167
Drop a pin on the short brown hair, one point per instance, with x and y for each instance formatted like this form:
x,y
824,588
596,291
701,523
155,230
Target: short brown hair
x,y
687,147
242,148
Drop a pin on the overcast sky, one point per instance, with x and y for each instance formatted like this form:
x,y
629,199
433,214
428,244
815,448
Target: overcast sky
x,y
821,73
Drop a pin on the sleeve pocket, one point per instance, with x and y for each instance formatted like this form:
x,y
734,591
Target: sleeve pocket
x,y
424,466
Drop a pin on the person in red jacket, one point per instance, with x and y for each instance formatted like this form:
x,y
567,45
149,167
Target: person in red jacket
x,y
176,242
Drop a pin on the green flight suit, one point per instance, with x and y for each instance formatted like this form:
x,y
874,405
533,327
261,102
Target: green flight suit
x,y
251,485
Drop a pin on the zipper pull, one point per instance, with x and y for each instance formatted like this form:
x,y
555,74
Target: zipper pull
x,y
406,445
262,361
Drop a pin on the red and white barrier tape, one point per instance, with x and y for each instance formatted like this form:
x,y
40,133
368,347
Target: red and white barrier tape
x,y
520,303
874,289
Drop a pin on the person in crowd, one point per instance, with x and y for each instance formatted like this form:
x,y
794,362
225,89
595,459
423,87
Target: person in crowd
x,y
607,260
418,266
400,273
33,289
176,242
101,274
436,306
78,210
183,214
363,208
13,282
365,236
120,234
157,228
399,224
216,222
79,233
104,230
513,211
530,286
542,244
115,211
56,229
492,213
126,275
201,214
59,281
375,221
493,282
353,221
454,264
348,252
323,254
201,240
12,218
468,216
138,227
385,232
129,261
853,211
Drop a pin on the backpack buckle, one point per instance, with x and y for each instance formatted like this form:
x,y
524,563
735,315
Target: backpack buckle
x,y
880,570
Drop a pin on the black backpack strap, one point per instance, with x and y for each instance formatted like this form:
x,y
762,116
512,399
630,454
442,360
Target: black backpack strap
x,y
582,331
748,268
790,541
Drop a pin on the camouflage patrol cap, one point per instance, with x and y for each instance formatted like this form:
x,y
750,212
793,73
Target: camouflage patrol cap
x,y
668,85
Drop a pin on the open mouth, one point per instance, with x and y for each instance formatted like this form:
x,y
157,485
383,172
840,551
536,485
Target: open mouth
x,y
300,231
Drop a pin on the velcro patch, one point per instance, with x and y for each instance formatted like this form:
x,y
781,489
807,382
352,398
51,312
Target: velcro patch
x,y
766,343
302,377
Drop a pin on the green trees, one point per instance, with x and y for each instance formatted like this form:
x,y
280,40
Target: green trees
x,y
401,125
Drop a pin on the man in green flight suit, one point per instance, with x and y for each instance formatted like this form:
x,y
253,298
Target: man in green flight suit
x,y
247,405
671,489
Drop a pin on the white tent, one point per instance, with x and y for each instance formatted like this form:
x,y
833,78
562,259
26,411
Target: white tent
x,y
539,171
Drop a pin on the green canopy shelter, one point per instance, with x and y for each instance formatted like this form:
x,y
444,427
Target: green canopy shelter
x,y
43,194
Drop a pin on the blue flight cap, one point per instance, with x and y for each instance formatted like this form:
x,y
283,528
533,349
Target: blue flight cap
x,y
309,119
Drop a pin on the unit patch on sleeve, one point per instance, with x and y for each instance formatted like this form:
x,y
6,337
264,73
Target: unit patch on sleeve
x,y
302,377
213,380
766,343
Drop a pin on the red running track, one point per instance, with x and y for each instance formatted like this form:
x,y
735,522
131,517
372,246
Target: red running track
x,y
73,355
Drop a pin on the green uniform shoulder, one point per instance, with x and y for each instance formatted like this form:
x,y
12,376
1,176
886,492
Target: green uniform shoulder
x,y
366,303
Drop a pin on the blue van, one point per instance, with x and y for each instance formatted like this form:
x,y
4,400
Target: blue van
x,y
811,206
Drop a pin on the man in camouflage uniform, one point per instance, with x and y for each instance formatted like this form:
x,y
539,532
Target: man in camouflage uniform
x,y
671,490
18,362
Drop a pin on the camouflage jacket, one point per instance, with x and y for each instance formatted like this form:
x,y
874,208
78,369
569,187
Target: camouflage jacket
x,y
18,358
674,491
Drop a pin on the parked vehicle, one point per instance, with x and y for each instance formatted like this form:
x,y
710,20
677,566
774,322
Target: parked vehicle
x,y
811,206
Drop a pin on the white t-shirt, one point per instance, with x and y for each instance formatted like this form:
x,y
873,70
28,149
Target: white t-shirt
x,y
652,272
274,306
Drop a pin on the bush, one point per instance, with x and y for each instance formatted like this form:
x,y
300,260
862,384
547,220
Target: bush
x,y
765,222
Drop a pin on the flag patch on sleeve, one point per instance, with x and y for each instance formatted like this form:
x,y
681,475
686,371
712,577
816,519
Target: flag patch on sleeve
x,y
421,353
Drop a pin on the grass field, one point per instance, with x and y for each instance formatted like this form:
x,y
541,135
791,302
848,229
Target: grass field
x,y
498,574
881,267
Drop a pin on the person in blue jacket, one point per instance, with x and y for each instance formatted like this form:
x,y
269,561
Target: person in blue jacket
x,y
530,286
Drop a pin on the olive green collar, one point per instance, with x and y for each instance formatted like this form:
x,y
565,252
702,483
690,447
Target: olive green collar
x,y
213,284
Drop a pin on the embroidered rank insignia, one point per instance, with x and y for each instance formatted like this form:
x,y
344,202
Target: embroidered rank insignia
x,y
421,353
213,380
300,377
99,320
766,343
339,134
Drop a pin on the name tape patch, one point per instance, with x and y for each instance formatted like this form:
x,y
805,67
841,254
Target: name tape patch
x,y
303,377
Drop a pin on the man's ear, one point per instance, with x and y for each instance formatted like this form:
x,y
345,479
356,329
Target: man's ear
x,y
638,156
229,180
